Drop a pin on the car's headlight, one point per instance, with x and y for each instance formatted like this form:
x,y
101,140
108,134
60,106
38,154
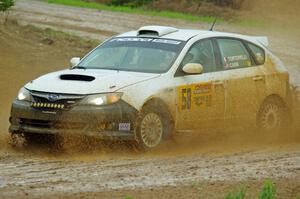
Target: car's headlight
x,y
24,95
102,99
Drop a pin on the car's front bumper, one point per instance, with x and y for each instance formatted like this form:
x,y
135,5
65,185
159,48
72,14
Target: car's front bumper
x,y
106,122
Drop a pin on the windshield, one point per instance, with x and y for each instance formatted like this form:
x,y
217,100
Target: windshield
x,y
134,54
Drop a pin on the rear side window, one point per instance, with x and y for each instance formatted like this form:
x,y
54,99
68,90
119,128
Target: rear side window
x,y
234,54
258,53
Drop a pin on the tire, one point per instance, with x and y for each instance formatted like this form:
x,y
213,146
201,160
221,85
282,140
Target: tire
x,y
154,126
273,115
32,139
17,140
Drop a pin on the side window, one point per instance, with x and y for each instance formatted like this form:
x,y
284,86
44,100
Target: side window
x,y
259,53
234,54
202,52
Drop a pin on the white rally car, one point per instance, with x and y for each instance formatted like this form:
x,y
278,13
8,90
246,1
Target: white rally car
x,y
146,84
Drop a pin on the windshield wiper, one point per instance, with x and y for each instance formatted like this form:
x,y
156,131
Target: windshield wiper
x,y
79,67
111,68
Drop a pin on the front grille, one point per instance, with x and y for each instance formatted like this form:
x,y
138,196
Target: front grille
x,y
53,124
36,123
40,101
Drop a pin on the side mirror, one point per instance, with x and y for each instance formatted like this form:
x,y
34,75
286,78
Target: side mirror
x,y
75,61
193,68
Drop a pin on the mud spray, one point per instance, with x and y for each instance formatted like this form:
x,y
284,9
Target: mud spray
x,y
280,21
25,59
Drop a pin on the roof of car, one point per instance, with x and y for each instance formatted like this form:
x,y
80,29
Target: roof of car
x,y
176,34
166,32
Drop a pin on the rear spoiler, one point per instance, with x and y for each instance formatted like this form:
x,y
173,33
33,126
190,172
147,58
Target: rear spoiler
x,y
262,40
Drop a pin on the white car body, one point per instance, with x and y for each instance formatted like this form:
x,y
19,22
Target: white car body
x,y
138,88
194,101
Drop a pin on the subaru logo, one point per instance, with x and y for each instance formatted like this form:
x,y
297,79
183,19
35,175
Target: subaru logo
x,y
53,97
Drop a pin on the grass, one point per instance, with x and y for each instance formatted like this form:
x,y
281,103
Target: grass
x,y
167,14
268,192
126,9
236,195
128,197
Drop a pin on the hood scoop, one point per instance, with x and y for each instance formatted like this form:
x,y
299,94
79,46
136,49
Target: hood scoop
x,y
155,31
75,77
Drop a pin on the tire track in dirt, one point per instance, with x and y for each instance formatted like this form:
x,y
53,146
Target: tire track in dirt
x,y
40,175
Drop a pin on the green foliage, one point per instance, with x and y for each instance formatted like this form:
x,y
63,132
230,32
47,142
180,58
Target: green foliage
x,y
237,195
268,191
128,197
130,3
6,4
135,3
127,9
229,3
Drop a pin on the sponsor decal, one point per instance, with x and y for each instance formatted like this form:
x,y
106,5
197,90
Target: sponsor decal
x,y
194,96
49,112
236,61
237,58
167,41
131,39
163,41
124,126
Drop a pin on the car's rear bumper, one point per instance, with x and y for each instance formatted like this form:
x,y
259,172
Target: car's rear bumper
x,y
106,122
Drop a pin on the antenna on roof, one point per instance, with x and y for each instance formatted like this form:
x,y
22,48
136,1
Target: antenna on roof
x,y
213,25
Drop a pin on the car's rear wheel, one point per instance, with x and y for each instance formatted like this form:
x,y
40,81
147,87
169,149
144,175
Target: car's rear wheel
x,y
153,127
273,115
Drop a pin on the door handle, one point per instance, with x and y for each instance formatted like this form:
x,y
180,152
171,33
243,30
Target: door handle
x,y
258,78
218,83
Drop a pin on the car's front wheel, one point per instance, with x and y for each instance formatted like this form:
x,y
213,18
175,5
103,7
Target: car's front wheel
x,y
17,140
29,139
153,127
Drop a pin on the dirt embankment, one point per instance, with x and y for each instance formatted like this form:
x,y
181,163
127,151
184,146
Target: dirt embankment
x,y
281,27
25,54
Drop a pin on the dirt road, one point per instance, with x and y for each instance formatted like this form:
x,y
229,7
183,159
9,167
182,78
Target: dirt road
x,y
40,176
205,166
